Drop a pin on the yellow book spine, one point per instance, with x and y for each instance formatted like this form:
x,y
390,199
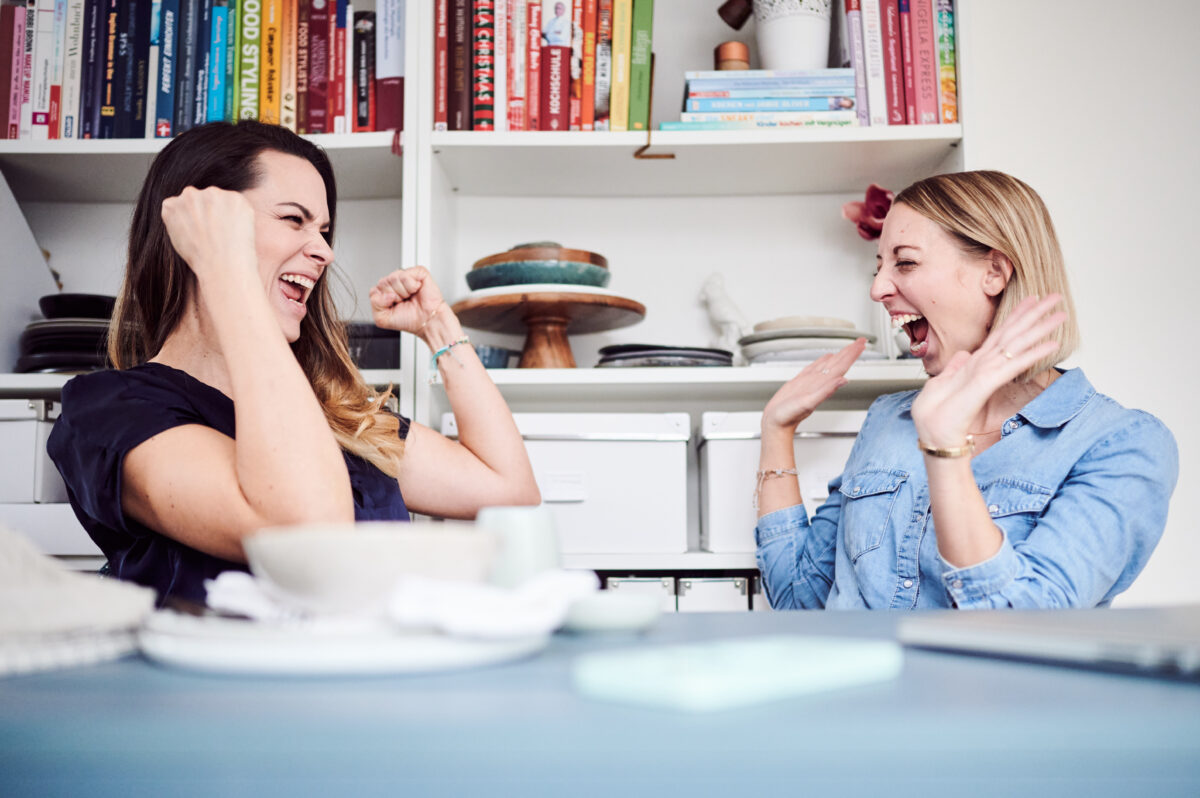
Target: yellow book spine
x,y
287,64
622,30
272,58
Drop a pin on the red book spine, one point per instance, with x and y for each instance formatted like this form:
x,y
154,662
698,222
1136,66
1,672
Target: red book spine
x,y
556,86
906,46
925,69
533,67
587,109
515,74
893,66
575,104
337,73
318,69
8,23
483,68
441,63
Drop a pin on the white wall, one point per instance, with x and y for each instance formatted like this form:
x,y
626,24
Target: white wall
x,y
1095,105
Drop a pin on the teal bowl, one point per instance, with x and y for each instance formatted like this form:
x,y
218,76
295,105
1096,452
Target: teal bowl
x,y
525,272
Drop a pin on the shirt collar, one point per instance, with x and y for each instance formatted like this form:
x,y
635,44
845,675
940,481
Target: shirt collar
x,y
1053,407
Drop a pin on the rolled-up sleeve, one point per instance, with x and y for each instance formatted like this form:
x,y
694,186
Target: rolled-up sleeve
x,y
796,557
1095,536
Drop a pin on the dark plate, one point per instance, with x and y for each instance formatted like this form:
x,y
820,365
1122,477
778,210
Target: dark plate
x,y
77,306
661,360
60,361
625,349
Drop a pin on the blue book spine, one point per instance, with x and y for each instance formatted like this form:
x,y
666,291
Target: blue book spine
x,y
218,43
773,94
727,84
203,54
168,40
795,104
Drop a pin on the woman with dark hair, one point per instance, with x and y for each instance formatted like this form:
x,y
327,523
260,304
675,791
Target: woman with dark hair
x,y
1004,481
234,404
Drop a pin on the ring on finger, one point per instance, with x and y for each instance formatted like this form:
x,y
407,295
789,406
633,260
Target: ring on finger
x,y
1007,354
824,371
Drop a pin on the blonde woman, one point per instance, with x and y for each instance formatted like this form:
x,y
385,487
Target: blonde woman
x,y
234,404
1004,481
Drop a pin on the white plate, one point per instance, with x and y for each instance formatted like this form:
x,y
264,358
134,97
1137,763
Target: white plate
x,y
807,332
792,322
228,645
804,355
751,351
538,288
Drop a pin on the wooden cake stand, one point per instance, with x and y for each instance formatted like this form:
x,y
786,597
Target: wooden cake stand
x,y
546,317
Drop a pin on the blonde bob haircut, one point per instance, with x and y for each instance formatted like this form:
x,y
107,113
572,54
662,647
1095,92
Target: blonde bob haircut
x,y
985,211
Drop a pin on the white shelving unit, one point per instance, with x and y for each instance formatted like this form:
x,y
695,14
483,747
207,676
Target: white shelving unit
x,y
762,208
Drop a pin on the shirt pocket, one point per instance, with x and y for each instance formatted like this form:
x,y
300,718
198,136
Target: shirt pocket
x,y
1015,505
869,498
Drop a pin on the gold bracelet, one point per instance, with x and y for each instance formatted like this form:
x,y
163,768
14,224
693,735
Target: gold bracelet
x,y
433,313
966,450
768,473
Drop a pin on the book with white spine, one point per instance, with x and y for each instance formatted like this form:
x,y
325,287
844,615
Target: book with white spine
x,y
872,25
72,70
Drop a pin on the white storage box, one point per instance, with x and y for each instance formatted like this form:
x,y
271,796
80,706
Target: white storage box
x,y
661,586
26,473
713,594
729,449
616,482
53,528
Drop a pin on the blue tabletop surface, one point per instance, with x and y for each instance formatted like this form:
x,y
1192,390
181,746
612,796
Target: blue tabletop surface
x,y
947,723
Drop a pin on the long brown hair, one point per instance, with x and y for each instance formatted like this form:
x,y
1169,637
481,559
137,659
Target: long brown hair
x,y
159,285
987,210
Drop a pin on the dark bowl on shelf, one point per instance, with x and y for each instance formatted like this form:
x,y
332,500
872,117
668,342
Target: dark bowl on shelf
x,y
538,271
77,306
372,347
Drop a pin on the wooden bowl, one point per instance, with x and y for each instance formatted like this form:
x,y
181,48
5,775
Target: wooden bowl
x,y
543,251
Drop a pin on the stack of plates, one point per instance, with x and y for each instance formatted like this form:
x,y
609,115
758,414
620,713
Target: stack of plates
x,y
539,262
624,355
799,338
63,346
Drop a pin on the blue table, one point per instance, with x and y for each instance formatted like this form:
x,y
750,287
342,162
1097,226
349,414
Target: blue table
x,y
948,725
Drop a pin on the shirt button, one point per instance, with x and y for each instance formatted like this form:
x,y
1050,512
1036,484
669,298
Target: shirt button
x,y
856,490
908,583
992,508
956,584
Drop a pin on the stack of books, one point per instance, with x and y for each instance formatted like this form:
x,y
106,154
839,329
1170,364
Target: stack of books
x,y
153,68
508,65
757,98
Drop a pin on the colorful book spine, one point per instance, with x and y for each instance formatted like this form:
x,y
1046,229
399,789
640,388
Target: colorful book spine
x,y
57,60
841,103
364,70
203,61
575,88
618,119
458,92
500,65
850,91
185,64
389,65
43,55
218,42
108,97
140,81
771,78
516,73
752,124
854,40
587,108
556,87
925,68
947,76
603,91
151,86
639,64
337,87
483,65
533,65
770,116
26,113
269,76
906,54
164,81
893,62
292,40
249,59
441,63
317,120
231,59
845,84
872,24
72,69
12,41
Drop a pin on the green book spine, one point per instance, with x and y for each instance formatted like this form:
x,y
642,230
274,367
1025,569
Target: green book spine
x,y
639,64
231,62
249,60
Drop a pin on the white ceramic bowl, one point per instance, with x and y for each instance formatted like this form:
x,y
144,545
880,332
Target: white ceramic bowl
x,y
339,567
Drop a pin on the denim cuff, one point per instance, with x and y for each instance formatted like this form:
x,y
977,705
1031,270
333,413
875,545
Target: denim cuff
x,y
973,587
780,523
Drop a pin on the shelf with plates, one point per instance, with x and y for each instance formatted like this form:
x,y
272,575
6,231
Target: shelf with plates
x,y
706,163
49,171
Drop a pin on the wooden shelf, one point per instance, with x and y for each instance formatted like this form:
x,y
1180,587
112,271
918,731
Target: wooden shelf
x,y
48,171
706,163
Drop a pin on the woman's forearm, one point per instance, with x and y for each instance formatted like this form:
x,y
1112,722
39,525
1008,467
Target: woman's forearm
x,y
966,534
289,465
777,453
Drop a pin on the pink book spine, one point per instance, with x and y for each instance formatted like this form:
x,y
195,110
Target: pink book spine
x,y
925,70
906,45
15,90
892,61
518,89
533,67
855,40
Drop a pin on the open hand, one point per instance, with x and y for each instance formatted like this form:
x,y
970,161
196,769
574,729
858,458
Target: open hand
x,y
800,396
210,228
405,299
951,401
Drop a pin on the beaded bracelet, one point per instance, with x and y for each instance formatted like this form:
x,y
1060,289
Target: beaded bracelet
x,y
433,361
763,476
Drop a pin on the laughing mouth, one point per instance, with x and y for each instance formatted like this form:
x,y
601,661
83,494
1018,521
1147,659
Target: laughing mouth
x,y
917,329
297,287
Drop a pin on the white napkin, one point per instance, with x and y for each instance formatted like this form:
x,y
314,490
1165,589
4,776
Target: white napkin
x,y
464,609
52,617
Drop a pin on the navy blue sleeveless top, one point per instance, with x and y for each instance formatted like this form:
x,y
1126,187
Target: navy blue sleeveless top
x,y
106,414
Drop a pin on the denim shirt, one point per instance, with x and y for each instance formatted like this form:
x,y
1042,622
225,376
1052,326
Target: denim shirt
x,y
1077,484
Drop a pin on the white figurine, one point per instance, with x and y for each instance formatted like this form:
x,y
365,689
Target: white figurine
x,y
723,314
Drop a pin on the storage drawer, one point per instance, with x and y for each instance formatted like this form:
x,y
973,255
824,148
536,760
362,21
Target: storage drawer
x,y
713,594
53,528
729,450
616,482
661,586
26,473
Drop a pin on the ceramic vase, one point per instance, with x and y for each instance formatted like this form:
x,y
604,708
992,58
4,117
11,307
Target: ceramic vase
x,y
792,34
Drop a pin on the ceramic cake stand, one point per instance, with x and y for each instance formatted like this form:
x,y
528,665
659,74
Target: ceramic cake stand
x,y
546,317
